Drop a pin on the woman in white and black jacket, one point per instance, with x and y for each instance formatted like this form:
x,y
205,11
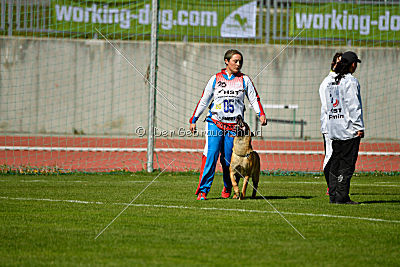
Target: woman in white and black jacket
x,y
324,117
345,127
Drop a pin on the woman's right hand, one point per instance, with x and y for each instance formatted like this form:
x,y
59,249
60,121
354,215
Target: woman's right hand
x,y
193,127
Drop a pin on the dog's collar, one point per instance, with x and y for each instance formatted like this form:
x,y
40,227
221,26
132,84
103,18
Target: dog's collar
x,y
245,156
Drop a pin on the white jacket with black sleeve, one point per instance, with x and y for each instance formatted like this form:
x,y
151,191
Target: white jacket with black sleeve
x,y
344,108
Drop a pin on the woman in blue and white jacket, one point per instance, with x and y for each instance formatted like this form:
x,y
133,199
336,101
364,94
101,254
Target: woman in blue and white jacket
x,y
228,89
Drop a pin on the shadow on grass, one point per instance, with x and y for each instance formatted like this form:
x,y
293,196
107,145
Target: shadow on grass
x,y
283,197
269,197
372,193
380,202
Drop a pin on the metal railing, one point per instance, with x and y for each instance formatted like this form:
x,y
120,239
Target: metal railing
x,y
24,16
32,16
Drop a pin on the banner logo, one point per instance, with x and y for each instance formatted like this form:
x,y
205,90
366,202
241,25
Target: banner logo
x,y
241,23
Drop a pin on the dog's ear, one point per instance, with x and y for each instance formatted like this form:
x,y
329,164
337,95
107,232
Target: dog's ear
x,y
239,118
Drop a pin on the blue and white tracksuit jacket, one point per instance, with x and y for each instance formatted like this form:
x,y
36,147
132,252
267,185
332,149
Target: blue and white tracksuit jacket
x,y
228,102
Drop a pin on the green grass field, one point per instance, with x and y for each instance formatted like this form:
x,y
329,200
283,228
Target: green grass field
x,y
48,220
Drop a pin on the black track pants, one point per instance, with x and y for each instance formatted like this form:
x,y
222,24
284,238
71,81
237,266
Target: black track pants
x,y
343,164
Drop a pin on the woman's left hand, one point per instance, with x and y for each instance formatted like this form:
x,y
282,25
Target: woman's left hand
x,y
263,120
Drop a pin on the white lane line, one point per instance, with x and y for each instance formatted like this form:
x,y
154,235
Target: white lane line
x,y
204,208
49,181
262,182
352,184
53,200
138,181
379,185
186,150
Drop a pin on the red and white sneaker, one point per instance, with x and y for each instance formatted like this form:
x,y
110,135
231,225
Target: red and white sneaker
x,y
202,196
226,193
327,191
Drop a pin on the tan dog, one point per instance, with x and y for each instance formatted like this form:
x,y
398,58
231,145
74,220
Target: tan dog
x,y
245,162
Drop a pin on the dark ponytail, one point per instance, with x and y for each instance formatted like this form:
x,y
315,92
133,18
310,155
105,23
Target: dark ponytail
x,y
342,68
335,60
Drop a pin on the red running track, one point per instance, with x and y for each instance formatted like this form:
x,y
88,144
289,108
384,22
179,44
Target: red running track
x,y
281,155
